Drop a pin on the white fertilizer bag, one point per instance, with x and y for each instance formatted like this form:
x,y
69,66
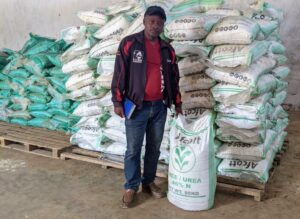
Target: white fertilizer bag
x,y
278,142
87,93
196,6
238,55
106,64
196,82
76,65
279,98
233,30
279,113
104,81
115,135
250,136
105,47
190,65
116,122
114,27
80,48
116,148
88,108
93,17
190,27
192,168
245,151
224,12
249,170
200,98
190,48
79,80
135,27
193,113
238,121
255,108
231,94
89,134
248,77
73,34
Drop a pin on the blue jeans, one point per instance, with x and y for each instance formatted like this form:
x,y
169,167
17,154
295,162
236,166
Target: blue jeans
x,y
150,119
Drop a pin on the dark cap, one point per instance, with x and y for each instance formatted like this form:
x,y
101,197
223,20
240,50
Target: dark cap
x,y
156,10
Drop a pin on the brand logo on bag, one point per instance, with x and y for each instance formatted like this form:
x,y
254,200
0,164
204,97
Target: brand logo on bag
x,y
138,56
183,159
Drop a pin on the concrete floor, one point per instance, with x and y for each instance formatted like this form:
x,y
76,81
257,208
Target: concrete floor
x,y
38,187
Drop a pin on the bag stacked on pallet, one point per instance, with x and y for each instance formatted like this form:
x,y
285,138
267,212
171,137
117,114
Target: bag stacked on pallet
x,y
32,86
250,118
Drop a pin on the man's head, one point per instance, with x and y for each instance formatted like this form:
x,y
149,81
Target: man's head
x,y
154,20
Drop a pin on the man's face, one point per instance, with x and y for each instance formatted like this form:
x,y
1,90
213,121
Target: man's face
x,y
153,26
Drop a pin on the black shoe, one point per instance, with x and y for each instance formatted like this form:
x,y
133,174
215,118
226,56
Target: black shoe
x,y
153,190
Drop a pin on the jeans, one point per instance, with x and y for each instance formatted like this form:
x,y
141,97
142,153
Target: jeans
x,y
149,119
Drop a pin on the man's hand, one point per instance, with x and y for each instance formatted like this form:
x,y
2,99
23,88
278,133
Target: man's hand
x,y
178,110
119,111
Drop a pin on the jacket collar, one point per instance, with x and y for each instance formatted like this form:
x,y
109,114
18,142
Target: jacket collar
x,y
140,36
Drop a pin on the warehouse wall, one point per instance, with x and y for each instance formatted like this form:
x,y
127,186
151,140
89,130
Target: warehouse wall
x,y
19,17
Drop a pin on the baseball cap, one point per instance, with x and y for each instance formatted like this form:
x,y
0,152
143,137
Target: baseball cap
x,y
156,10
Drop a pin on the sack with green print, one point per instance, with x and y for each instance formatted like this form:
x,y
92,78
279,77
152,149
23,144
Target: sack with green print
x,y
190,27
249,170
233,134
187,48
192,168
233,30
238,55
196,6
247,77
246,151
279,98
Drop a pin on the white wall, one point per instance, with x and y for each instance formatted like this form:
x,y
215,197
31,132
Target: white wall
x,y
48,17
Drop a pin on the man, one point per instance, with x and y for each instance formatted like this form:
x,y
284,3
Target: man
x,y
146,73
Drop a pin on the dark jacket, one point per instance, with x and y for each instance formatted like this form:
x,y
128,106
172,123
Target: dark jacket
x,y
129,77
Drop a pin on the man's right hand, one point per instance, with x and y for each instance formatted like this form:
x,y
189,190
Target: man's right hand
x,y
119,111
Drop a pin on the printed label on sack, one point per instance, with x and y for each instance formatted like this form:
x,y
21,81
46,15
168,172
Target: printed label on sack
x,y
243,164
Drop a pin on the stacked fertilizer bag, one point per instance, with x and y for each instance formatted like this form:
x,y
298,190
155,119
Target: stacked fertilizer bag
x,y
32,86
247,60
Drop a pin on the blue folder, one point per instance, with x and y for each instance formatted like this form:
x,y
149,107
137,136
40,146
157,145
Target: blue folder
x,y
128,107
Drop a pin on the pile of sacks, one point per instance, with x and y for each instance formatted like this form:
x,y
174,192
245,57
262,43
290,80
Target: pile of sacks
x,y
248,60
32,90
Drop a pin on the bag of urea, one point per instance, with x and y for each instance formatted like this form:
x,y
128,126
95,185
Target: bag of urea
x,y
192,168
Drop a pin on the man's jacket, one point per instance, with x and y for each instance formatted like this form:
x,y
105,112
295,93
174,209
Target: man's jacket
x,y
129,77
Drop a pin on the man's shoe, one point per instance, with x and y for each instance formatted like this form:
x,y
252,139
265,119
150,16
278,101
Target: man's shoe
x,y
154,190
128,198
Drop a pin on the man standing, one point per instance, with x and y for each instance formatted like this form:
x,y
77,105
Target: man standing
x,y
145,72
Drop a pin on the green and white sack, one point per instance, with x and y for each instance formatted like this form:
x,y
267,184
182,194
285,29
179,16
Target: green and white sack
x,y
93,17
104,81
88,108
77,65
105,47
190,48
87,93
135,27
193,113
106,64
114,27
249,170
245,151
116,148
224,12
279,98
190,27
247,77
73,34
233,134
238,55
195,82
278,142
233,30
190,65
79,80
192,169
196,6
200,98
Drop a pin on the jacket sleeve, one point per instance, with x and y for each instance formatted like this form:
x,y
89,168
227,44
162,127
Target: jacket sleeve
x,y
177,95
121,67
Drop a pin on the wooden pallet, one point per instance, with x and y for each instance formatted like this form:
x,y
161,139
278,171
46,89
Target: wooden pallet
x,y
247,187
96,158
33,140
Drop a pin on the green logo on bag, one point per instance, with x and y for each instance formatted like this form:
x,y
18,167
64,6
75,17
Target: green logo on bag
x,y
184,158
